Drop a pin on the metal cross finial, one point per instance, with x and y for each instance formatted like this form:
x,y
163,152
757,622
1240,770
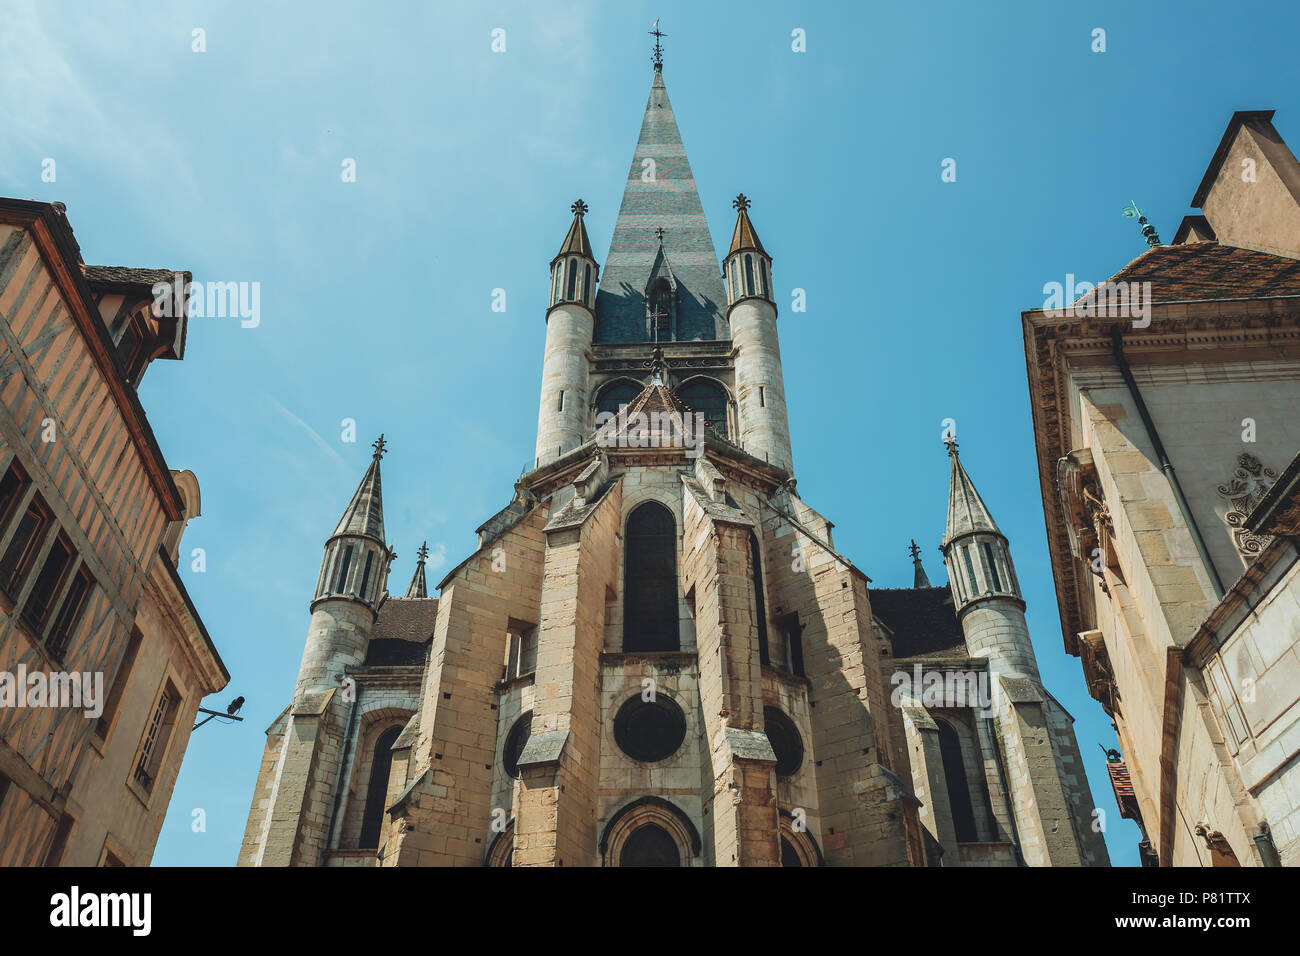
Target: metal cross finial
x,y
380,446
579,208
659,234
422,553
658,58
741,202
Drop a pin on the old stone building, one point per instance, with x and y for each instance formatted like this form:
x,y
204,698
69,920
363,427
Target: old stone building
x,y
1165,419
655,655
103,658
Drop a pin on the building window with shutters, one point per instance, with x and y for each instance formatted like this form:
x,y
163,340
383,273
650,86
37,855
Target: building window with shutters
x,y
25,544
157,733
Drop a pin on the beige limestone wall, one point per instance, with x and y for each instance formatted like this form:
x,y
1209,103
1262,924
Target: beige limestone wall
x,y
1264,214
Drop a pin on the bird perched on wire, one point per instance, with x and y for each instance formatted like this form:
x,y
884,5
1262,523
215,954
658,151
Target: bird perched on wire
x,y
234,706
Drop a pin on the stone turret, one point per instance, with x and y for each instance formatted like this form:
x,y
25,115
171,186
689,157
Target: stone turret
x,y
985,591
353,577
562,423
751,313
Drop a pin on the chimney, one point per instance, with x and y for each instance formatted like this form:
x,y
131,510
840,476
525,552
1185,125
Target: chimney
x,y
1250,194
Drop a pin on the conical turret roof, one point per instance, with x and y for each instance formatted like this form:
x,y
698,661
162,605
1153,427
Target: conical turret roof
x,y
744,236
967,512
576,242
365,512
919,578
419,588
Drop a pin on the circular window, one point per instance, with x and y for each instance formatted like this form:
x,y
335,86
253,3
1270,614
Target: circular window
x,y
785,740
515,742
649,730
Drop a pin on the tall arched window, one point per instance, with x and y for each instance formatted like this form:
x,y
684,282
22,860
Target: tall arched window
x,y
762,274
573,279
954,769
760,609
381,763
586,283
749,274
709,400
650,613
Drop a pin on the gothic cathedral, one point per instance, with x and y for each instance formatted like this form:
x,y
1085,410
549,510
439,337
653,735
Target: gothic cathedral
x,y
656,656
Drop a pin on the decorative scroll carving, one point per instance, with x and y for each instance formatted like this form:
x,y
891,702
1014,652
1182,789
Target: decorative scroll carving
x,y
1250,481
1087,516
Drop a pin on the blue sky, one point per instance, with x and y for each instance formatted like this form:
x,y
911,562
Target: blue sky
x,y
376,295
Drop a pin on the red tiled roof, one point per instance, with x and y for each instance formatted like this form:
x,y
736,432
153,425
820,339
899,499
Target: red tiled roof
x,y
407,619
1209,270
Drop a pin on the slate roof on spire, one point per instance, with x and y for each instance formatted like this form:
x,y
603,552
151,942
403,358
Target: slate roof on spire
x,y
744,236
919,578
576,242
668,200
418,587
365,512
966,509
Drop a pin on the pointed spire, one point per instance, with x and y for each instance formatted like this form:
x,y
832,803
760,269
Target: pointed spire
x,y
967,512
418,588
660,193
576,242
744,236
365,513
919,577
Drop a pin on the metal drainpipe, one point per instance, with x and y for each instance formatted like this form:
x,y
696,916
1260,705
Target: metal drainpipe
x,y
338,777
1117,341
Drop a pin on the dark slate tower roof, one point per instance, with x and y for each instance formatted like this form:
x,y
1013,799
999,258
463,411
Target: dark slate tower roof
x,y
668,201
365,513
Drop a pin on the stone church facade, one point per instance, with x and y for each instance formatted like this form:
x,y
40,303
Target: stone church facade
x,y
655,655
1167,460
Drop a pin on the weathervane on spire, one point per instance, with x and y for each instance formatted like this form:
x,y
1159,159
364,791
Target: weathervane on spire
x,y
658,58
579,208
741,202
1148,231
380,446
